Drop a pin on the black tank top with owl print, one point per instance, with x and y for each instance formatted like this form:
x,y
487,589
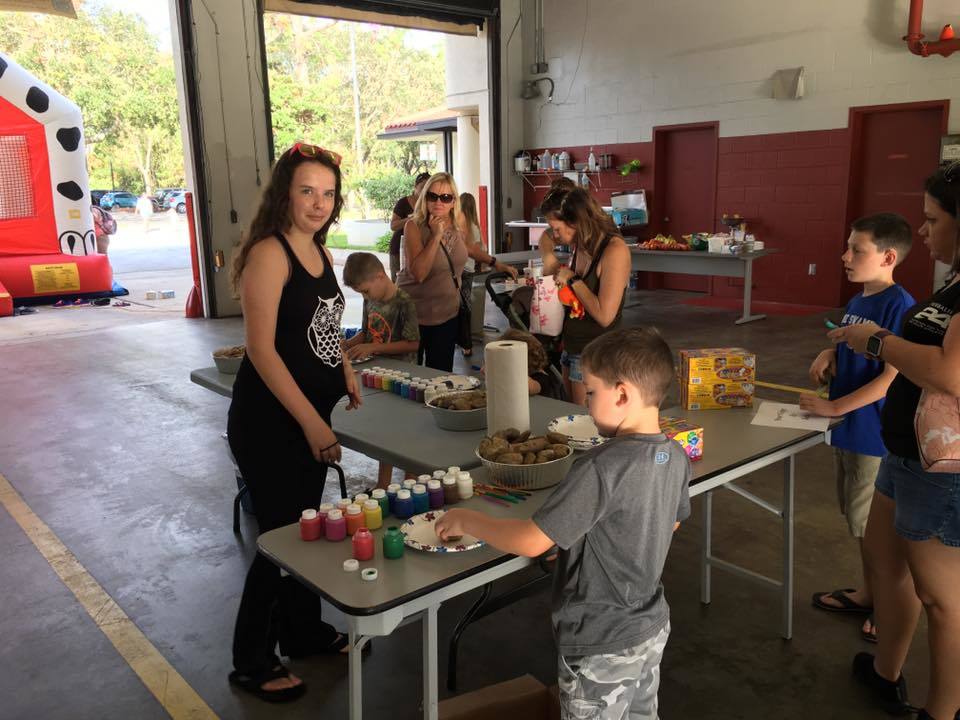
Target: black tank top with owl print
x,y
307,340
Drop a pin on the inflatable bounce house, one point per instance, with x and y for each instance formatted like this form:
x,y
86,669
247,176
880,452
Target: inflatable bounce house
x,y
47,244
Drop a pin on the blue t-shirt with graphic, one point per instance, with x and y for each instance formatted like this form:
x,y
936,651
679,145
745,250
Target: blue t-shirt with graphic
x,y
860,430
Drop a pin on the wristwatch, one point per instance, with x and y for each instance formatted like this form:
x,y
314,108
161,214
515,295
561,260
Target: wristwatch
x,y
573,279
875,344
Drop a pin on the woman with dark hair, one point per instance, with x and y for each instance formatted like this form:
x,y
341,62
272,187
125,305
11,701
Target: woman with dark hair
x,y
292,375
912,542
549,206
598,273
401,212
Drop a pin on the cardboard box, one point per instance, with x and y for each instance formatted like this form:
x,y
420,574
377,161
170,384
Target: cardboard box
x,y
710,365
687,434
716,396
523,697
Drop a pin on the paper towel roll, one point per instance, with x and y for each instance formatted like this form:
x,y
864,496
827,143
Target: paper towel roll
x,y
508,399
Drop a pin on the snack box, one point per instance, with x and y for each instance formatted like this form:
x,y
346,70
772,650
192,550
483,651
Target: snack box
x,y
708,365
716,396
687,434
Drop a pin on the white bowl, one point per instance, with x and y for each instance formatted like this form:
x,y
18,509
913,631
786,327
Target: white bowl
x,y
457,420
528,477
228,365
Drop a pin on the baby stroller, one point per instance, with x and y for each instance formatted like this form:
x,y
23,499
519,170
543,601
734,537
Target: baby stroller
x,y
516,307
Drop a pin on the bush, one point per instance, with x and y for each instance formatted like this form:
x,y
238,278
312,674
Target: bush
x,y
384,189
383,242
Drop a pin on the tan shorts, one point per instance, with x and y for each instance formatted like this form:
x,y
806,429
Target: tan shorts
x,y
856,474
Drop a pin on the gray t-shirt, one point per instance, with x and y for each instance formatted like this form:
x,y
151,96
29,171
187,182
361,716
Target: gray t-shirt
x,y
613,517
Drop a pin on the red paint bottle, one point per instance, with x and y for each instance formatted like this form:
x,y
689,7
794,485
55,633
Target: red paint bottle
x,y
309,525
363,544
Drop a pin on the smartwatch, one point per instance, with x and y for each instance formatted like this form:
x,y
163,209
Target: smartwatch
x,y
875,344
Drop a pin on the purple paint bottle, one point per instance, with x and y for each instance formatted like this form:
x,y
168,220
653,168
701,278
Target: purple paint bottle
x,y
435,491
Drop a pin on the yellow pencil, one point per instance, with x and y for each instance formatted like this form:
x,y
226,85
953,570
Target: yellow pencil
x,y
821,391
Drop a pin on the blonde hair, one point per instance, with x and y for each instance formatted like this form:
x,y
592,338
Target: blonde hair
x,y
420,212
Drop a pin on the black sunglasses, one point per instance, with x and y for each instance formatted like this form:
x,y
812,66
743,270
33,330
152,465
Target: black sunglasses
x,y
445,198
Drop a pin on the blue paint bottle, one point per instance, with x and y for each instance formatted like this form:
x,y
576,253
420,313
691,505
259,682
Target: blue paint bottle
x,y
392,490
403,508
421,501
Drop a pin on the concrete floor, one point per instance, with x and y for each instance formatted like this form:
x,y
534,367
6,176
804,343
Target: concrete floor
x,y
110,444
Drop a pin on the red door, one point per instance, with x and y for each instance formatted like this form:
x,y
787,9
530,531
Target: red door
x,y
894,151
686,188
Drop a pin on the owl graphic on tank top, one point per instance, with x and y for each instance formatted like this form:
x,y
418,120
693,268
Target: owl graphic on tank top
x,y
323,334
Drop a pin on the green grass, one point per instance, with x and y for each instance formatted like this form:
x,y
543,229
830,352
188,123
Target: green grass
x,y
339,240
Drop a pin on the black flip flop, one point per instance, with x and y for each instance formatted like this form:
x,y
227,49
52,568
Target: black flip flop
x,y
252,684
870,637
846,604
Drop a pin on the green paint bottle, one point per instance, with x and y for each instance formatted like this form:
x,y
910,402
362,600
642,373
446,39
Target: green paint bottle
x,y
393,543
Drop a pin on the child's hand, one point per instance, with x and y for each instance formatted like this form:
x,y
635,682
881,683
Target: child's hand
x,y
360,351
816,405
824,367
450,524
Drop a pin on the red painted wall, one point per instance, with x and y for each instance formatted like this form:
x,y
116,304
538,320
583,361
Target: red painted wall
x,y
791,187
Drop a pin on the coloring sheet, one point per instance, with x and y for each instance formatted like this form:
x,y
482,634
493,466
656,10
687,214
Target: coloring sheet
x,y
782,415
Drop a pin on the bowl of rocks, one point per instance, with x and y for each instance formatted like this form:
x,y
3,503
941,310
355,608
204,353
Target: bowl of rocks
x,y
460,411
521,460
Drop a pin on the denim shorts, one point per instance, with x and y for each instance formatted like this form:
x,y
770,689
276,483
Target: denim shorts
x,y
572,363
927,503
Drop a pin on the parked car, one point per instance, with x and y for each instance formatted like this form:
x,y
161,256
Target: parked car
x,y
178,201
164,193
95,196
121,199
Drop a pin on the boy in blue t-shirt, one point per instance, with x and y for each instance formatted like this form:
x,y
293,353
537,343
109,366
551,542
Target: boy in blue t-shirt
x,y
877,244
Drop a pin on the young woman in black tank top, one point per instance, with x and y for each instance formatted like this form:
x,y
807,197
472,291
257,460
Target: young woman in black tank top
x,y
279,429
598,275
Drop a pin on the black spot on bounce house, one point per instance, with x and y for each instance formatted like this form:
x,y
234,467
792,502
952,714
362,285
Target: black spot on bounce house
x,y
69,138
37,100
70,190
3,67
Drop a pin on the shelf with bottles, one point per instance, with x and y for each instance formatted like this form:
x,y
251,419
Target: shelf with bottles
x,y
592,177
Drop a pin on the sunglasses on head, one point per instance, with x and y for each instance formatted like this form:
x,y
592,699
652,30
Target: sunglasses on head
x,y
445,198
952,171
312,151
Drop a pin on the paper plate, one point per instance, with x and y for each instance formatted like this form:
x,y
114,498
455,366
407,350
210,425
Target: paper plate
x,y
368,358
418,533
581,432
456,382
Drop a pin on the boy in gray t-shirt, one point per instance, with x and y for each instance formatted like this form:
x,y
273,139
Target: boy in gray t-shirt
x,y
613,518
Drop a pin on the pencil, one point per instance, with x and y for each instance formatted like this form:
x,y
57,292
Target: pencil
x,y
505,498
493,500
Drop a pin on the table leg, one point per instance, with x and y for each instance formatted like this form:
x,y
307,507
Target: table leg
x,y
431,680
747,293
787,588
356,676
706,549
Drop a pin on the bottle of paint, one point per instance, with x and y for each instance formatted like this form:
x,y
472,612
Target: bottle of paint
x,y
322,513
421,389
354,519
342,504
403,508
423,479
380,495
360,498
435,491
372,514
393,543
392,490
438,474
309,525
450,492
453,470
335,526
421,501
363,544
408,484
464,485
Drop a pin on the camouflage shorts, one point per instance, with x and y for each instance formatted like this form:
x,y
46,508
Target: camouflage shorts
x,y
615,686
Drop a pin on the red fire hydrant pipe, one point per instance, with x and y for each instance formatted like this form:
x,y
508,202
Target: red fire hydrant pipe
x,y
914,38
194,307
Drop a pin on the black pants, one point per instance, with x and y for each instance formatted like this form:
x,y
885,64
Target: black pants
x,y
283,479
437,344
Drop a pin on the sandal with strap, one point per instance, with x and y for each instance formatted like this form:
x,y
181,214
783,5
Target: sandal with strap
x,y
253,684
846,605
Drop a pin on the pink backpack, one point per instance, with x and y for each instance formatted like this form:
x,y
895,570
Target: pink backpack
x,y
937,426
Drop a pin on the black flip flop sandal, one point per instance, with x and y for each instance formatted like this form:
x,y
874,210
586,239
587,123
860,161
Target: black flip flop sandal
x,y
846,604
252,684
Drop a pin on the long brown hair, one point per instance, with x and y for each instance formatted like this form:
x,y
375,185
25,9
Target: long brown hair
x,y
468,206
273,215
578,209
944,187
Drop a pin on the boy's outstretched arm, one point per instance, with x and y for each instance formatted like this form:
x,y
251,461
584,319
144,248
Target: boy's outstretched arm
x,y
520,537
874,390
